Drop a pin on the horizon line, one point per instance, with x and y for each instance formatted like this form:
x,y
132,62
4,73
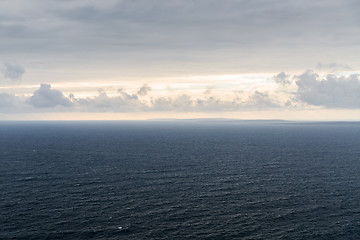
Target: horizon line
x,y
180,119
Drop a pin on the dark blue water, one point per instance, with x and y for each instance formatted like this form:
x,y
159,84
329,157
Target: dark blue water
x,y
179,180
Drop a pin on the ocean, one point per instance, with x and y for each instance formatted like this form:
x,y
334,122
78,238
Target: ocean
x,y
189,179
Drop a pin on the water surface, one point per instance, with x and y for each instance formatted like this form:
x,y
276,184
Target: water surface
x,y
179,180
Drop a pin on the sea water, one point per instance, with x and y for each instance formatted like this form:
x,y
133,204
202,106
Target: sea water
x,y
209,179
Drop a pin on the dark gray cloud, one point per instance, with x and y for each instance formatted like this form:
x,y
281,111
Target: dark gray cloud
x,y
13,71
330,92
209,21
45,97
150,32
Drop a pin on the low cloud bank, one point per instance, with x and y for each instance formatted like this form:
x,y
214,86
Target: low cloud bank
x,y
306,90
46,99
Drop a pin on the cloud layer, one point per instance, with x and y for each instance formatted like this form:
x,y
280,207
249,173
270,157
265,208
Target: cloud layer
x,y
182,33
306,90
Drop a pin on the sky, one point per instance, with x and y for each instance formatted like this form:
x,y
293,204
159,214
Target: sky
x,y
145,59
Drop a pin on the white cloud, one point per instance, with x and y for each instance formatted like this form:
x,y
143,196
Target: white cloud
x,y
185,103
307,90
260,100
45,97
123,102
50,100
330,92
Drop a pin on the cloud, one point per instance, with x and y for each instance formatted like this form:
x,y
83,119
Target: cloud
x,y
10,103
123,102
331,91
145,89
282,78
13,71
262,100
185,103
208,91
295,92
7,100
213,104
45,97
181,102
333,67
266,33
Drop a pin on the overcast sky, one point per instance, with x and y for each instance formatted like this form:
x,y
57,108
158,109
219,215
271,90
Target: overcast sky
x,y
131,59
